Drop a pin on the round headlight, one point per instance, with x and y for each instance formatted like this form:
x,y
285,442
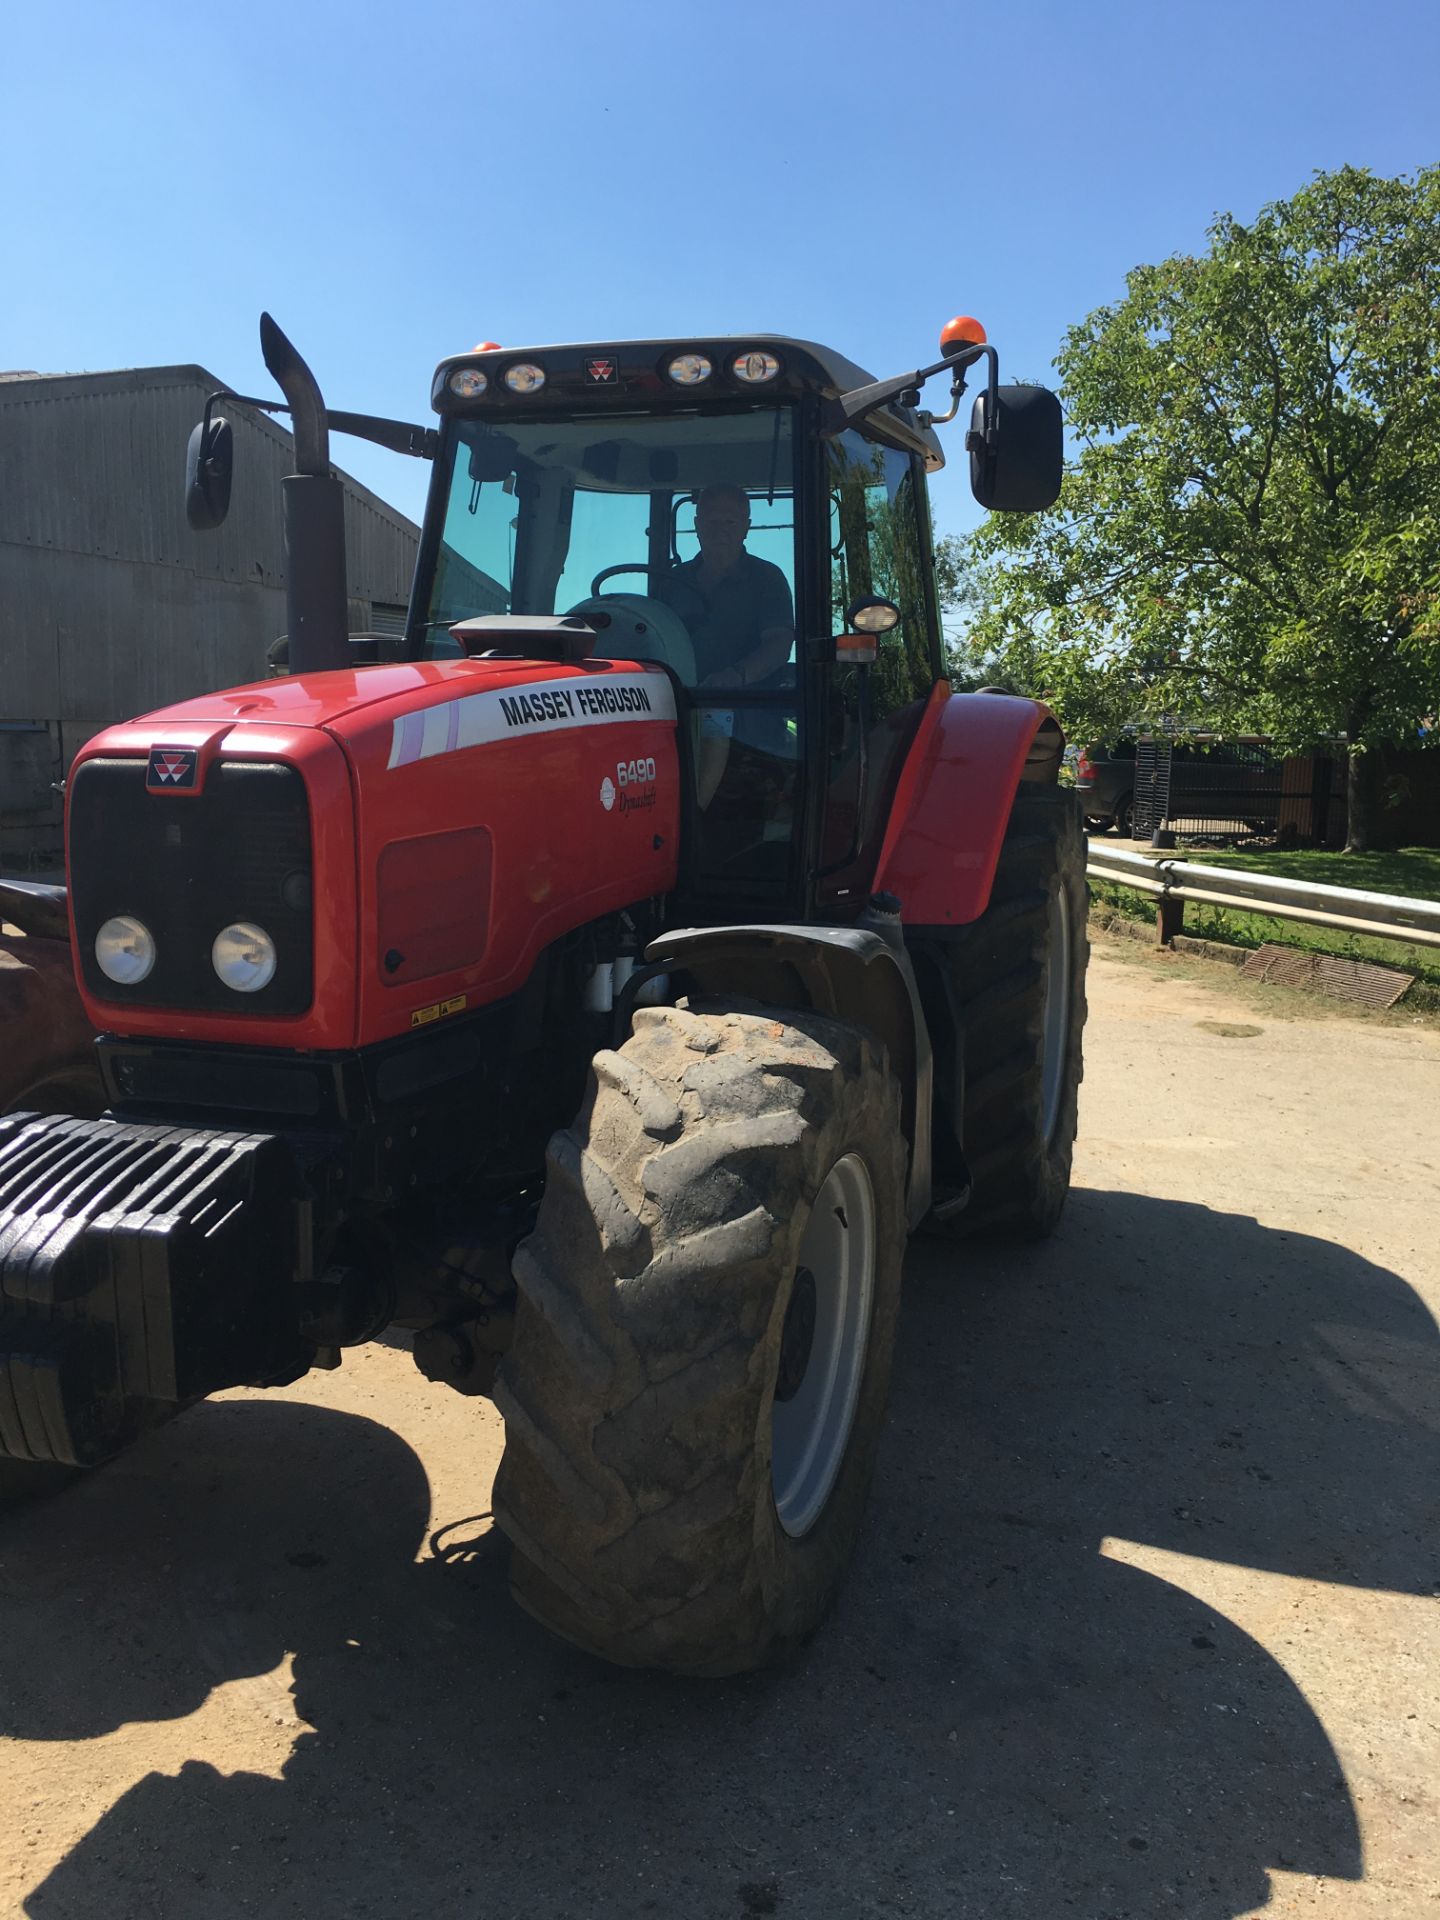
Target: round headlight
x,y
468,382
125,950
755,368
689,369
524,377
244,957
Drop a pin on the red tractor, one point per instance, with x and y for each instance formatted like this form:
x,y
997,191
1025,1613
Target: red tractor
x,y
601,984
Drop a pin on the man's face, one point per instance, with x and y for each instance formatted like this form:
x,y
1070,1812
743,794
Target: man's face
x,y
722,525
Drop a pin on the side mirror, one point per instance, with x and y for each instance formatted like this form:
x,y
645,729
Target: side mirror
x,y
1017,456
209,466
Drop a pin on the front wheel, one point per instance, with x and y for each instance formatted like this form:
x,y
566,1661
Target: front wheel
x,y
707,1309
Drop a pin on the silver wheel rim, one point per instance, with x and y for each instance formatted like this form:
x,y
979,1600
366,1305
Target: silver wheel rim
x,y
810,1428
1057,1012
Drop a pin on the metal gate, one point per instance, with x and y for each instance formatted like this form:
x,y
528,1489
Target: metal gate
x,y
1232,788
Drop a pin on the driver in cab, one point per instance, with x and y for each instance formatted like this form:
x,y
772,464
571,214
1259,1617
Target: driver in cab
x,y
740,617
737,607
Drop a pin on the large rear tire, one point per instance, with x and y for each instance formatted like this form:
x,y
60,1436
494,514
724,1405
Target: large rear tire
x,y
706,1316
1018,981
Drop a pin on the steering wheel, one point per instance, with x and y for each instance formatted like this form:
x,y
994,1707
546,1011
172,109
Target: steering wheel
x,y
635,627
626,566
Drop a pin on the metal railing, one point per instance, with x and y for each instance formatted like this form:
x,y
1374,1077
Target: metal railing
x,y
1381,916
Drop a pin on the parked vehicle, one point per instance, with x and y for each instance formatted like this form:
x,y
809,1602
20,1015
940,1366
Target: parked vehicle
x,y
1206,782
1105,782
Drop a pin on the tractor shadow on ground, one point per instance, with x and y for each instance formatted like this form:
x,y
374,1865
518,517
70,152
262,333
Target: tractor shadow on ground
x,y
998,1720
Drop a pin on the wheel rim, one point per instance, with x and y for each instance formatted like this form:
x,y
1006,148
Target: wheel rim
x,y
1057,1012
827,1328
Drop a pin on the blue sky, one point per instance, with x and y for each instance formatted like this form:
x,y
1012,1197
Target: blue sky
x,y
397,183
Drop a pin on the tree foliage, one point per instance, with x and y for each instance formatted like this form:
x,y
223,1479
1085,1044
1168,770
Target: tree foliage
x,y
1249,535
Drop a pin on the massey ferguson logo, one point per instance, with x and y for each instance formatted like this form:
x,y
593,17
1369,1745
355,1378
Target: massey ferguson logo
x,y
172,769
602,372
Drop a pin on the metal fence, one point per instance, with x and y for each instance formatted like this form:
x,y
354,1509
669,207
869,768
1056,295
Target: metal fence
x,y
1382,916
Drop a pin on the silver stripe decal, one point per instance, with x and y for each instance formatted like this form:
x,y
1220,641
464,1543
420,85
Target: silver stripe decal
x,y
544,706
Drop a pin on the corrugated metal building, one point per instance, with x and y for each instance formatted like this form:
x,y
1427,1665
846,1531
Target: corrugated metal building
x,y
109,604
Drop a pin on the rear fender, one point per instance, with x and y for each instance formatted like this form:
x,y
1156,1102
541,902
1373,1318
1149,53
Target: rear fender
x,y
846,973
969,757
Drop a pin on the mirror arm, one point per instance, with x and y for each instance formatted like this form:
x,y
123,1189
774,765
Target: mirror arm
x,y
853,407
957,393
222,393
400,436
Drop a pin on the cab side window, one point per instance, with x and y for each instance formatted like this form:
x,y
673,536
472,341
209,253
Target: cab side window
x,y
877,546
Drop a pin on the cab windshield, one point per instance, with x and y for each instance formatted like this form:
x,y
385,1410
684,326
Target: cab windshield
x,y
673,535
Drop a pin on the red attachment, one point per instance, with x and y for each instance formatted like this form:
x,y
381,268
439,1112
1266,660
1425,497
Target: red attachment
x,y
487,346
952,804
963,331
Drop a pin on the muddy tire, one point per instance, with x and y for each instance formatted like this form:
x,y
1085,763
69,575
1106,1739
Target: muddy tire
x,y
1018,980
699,1347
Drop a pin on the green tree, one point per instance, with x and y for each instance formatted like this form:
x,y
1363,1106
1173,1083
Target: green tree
x,y
1249,535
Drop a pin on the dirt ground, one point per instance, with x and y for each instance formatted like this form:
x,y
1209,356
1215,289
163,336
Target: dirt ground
x,y
1146,1622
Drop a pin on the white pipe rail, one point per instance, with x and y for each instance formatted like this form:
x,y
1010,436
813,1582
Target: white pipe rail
x,y
1380,916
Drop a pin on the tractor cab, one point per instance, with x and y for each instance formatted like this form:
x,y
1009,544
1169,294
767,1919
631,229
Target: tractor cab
x,y
710,505
750,513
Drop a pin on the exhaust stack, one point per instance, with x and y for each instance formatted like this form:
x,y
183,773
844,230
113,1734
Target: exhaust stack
x,y
314,518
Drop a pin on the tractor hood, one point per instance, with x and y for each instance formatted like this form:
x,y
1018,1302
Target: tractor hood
x,y
323,699
402,840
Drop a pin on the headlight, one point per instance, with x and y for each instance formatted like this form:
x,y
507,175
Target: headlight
x,y
689,369
468,382
125,950
244,957
525,377
754,367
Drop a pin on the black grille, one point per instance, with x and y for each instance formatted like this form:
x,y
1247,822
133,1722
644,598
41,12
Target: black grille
x,y
188,865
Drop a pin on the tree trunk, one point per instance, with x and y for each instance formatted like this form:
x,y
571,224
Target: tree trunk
x,y
1367,827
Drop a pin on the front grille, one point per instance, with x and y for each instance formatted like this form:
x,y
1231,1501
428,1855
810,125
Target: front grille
x,y
188,865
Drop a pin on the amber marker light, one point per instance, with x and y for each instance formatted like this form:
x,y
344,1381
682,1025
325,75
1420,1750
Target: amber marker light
x,y
961,332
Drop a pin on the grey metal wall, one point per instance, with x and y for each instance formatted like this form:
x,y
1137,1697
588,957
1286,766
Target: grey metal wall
x,y
109,604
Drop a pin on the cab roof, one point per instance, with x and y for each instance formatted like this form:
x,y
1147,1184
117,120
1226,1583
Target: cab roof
x,y
622,374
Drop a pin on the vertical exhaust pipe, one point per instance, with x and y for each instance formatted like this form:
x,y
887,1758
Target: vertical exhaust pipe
x,y
314,518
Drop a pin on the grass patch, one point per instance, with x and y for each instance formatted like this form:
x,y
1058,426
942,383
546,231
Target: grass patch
x,y
1413,872
1232,928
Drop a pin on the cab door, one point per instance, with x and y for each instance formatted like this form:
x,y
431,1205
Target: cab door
x,y
879,544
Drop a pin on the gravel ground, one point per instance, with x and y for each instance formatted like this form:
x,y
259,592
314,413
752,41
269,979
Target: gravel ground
x,y
1146,1623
